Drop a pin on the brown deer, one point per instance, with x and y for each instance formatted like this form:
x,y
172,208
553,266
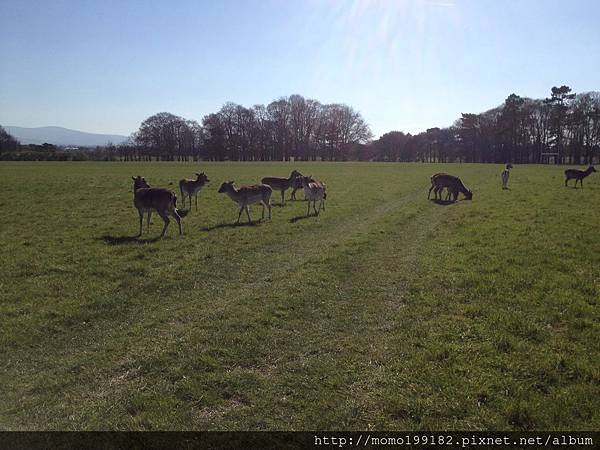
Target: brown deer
x,y
579,175
148,199
281,184
248,195
192,187
313,191
453,184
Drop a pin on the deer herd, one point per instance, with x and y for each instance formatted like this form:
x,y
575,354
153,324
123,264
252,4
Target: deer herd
x,y
163,201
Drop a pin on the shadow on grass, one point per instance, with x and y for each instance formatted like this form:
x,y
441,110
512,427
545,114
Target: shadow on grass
x,y
120,240
442,202
254,223
302,217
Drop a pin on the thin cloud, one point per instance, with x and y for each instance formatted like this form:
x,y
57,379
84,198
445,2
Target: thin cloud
x,y
444,4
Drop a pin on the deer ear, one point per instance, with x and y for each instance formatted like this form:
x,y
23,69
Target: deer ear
x,y
133,178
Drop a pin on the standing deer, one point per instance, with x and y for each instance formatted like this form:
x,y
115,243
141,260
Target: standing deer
x,y
248,195
192,187
281,184
163,201
505,175
579,175
453,184
313,191
296,185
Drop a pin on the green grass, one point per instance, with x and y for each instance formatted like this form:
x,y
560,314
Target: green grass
x,y
387,311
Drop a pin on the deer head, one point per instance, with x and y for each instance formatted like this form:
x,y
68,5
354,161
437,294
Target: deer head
x,y
227,186
139,183
202,177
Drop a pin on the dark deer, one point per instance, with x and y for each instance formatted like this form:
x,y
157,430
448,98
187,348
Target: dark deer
x,y
281,184
148,199
579,175
453,184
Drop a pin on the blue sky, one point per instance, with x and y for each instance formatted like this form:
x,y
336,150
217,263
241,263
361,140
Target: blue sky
x,y
104,66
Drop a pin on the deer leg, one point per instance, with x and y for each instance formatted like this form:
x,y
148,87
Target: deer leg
x,y
165,218
240,213
248,213
429,193
283,197
308,210
177,217
148,223
141,220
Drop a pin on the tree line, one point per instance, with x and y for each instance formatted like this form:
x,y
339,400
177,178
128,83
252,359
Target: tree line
x,y
562,128
291,127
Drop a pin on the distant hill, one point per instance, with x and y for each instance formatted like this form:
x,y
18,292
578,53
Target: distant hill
x,y
62,136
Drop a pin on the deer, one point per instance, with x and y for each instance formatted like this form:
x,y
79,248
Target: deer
x,y
505,175
192,187
248,195
148,199
579,175
433,187
296,185
281,184
453,184
314,190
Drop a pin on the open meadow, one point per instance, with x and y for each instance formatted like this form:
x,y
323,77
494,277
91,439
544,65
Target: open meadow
x,y
387,311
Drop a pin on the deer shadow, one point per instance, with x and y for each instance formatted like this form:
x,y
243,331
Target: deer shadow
x,y
254,223
302,217
440,202
120,240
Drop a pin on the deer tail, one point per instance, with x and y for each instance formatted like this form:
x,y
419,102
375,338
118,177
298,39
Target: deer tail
x,y
180,212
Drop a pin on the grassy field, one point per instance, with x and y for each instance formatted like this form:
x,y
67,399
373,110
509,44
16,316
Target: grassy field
x,y
387,311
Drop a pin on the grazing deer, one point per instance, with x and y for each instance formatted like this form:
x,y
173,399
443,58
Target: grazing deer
x,y
192,187
434,187
281,184
579,175
248,195
453,184
505,175
313,191
163,201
